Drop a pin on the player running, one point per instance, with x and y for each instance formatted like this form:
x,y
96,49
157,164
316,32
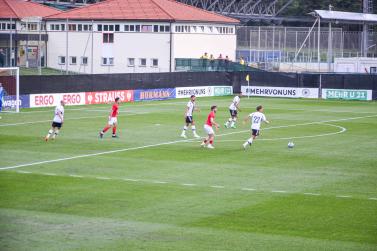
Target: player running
x,y
256,120
113,120
208,142
190,108
233,109
57,122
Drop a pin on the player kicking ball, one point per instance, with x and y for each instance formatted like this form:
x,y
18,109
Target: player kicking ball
x,y
256,120
190,108
113,120
233,109
208,142
57,122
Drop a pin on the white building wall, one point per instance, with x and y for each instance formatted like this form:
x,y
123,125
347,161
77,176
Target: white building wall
x,y
137,45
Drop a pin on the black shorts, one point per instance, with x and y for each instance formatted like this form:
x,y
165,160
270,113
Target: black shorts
x,y
189,120
56,124
233,113
254,132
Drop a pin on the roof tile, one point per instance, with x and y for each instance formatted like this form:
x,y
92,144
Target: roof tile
x,y
20,9
162,10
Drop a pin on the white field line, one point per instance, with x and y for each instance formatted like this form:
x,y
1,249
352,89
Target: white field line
x,y
248,189
76,118
193,185
342,130
343,196
312,194
217,186
164,143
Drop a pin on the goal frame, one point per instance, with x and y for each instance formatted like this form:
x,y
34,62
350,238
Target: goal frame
x,y
17,84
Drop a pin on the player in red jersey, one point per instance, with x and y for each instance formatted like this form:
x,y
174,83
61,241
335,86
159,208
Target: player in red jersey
x,y
208,142
113,120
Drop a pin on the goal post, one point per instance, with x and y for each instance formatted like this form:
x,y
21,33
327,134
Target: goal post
x,y
10,89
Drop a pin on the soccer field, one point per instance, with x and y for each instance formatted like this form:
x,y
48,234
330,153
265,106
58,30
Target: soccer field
x,y
149,189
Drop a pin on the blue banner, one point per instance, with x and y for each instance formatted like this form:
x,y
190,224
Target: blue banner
x,y
9,102
154,94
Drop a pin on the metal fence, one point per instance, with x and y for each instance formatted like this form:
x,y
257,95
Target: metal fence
x,y
268,45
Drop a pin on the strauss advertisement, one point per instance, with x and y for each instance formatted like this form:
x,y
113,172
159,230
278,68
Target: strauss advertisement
x,y
108,96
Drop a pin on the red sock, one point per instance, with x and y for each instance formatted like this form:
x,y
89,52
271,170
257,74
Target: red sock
x,y
114,130
211,141
106,128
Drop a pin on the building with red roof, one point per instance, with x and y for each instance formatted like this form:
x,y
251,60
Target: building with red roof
x,y
19,32
118,36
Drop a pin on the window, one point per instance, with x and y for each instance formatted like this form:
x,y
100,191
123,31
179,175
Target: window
x,y
111,27
72,27
108,37
84,60
202,28
210,29
126,28
61,60
132,27
13,26
167,28
32,27
146,28
62,26
72,60
143,62
155,28
85,27
79,27
3,26
373,70
99,27
52,27
137,28
154,62
131,62
107,61
57,27
105,27
117,27
8,26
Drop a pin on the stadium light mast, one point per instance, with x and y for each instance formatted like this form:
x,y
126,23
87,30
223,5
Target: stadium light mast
x,y
329,44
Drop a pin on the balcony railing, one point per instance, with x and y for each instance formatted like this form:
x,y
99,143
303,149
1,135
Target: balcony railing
x,y
190,64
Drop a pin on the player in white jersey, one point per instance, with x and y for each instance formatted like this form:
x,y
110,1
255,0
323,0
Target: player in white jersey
x,y
256,120
233,109
57,122
190,108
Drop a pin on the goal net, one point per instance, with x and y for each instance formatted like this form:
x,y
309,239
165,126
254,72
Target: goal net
x,y
10,89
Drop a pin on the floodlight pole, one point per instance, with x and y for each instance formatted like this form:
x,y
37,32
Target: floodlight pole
x,y
329,47
319,44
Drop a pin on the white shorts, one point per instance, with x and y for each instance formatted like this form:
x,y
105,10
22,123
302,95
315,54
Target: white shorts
x,y
208,129
112,121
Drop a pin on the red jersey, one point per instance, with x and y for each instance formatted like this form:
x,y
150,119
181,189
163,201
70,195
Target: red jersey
x,y
210,115
114,110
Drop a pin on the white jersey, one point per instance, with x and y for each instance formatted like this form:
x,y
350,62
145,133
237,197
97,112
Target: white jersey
x,y
235,103
256,120
59,110
190,108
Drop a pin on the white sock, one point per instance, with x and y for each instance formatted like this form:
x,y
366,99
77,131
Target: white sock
x,y
184,130
193,128
55,133
250,141
49,133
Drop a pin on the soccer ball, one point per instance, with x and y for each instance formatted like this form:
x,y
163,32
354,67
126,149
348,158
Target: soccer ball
x,y
291,144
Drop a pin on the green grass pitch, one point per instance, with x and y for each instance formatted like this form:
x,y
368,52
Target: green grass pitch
x,y
152,190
